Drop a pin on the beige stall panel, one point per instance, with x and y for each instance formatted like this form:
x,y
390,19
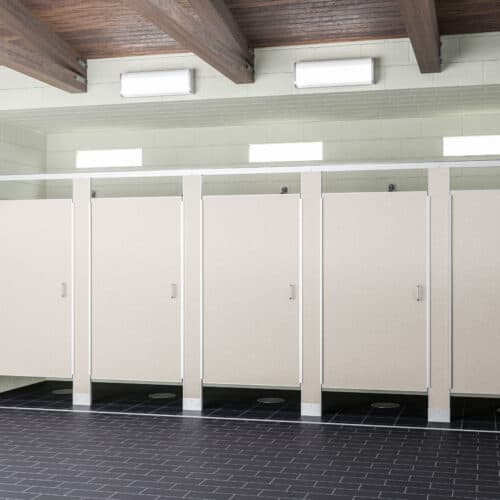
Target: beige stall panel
x,y
35,289
251,260
476,292
374,254
136,311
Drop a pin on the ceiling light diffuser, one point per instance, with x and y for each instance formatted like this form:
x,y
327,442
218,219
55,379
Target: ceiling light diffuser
x,y
287,151
334,73
157,83
475,145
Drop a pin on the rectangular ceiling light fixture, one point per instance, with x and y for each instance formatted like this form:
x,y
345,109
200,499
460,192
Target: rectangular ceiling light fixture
x,y
334,73
475,145
288,151
107,158
157,83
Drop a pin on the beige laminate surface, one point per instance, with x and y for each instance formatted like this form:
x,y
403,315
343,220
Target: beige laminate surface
x,y
374,256
251,257
476,292
136,259
35,270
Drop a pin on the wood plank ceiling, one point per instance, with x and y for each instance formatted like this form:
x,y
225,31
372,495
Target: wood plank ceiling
x,y
97,28
52,39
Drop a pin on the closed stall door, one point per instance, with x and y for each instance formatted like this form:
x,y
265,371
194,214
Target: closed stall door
x,y
374,253
251,290
476,293
136,273
35,290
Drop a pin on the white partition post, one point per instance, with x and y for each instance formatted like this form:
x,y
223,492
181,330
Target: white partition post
x,y
192,229
82,287
439,390
311,294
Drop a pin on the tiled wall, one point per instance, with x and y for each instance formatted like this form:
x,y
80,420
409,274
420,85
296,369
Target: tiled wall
x,y
21,152
355,141
467,60
9,383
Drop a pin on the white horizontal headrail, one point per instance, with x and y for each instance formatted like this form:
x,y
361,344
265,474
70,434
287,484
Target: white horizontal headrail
x,y
291,168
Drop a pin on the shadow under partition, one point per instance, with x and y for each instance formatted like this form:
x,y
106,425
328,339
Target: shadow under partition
x,y
47,394
375,408
475,413
251,403
137,398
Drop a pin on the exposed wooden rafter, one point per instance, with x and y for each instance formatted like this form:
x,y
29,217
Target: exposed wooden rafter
x,y
212,34
420,19
40,53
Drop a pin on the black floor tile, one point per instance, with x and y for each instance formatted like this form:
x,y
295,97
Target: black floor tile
x,y
47,454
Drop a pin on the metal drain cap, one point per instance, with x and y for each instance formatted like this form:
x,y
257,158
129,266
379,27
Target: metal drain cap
x,y
162,395
271,401
62,392
385,405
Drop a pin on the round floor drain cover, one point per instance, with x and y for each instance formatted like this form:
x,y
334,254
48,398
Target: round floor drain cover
x,y
385,405
271,401
62,392
162,395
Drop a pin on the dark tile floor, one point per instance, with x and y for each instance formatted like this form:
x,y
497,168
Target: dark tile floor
x,y
48,455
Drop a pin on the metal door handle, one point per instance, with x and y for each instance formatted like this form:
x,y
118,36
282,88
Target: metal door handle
x,y
419,293
64,289
173,291
292,292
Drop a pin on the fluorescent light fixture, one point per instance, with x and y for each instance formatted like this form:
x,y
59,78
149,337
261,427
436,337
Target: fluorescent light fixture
x,y
334,73
105,158
288,151
157,83
475,145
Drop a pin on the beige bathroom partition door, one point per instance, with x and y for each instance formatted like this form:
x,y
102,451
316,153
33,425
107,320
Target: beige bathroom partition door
x,y
374,265
251,290
35,289
136,288
476,292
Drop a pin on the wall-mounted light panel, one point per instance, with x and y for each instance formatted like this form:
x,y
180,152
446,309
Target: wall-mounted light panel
x,y
288,151
157,83
109,158
476,145
334,73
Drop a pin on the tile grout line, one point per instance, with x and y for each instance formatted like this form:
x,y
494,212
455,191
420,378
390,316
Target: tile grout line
x,y
239,419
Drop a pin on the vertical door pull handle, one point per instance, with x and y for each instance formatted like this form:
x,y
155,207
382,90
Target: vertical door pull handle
x,y
173,291
292,292
64,289
419,293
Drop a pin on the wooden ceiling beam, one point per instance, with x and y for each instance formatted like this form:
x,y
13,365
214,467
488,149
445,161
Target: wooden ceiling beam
x,y
41,53
39,66
420,19
212,35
